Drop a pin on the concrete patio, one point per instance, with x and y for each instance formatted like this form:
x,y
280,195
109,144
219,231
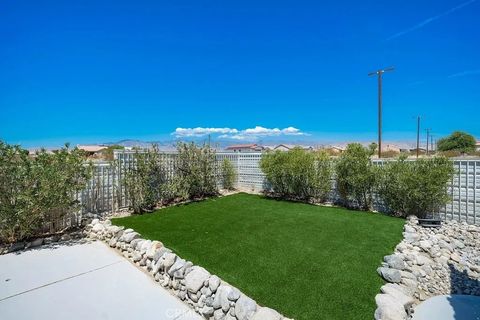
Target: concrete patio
x,y
81,280
449,307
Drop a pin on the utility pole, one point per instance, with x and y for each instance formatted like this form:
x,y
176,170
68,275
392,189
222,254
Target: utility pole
x,y
418,135
379,76
428,137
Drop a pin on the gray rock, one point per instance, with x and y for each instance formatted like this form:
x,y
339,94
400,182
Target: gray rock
x,y
128,237
218,315
397,292
145,246
153,249
234,294
423,260
395,261
36,243
230,317
137,256
388,308
98,228
410,236
267,314
113,242
455,257
459,244
245,308
221,298
213,283
207,311
195,279
160,252
425,244
390,275
168,259
176,267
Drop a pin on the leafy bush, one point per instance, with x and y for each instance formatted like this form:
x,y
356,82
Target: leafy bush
x,y
195,168
146,181
415,187
298,174
457,141
228,175
37,191
356,176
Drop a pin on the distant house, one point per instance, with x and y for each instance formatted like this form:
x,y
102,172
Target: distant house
x,y
92,150
334,150
477,146
253,147
391,148
286,147
420,150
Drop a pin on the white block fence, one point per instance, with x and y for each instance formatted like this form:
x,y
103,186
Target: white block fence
x,y
105,192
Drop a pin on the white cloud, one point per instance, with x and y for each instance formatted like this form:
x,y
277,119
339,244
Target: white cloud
x,y
236,134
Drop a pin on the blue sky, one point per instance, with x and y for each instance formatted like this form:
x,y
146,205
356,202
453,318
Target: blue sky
x,y
97,71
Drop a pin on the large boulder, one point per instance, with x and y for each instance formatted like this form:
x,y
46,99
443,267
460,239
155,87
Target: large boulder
x,y
98,227
388,308
398,293
394,261
196,278
168,259
129,236
155,245
390,275
245,308
221,298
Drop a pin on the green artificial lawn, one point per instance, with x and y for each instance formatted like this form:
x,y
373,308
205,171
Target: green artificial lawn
x,y
305,261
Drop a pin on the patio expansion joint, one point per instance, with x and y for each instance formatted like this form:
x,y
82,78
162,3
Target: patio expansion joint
x,y
63,279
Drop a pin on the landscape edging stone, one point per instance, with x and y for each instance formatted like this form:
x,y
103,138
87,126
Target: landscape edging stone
x,y
206,294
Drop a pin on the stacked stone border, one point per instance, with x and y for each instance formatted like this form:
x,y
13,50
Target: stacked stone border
x,y
205,293
426,263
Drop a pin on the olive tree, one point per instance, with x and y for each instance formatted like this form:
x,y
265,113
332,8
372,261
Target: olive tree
x,y
146,180
228,174
298,174
356,176
36,191
195,167
415,187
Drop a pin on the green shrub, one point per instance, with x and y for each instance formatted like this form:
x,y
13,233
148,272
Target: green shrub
x,y
457,141
298,174
36,192
146,181
195,168
356,176
415,187
228,175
